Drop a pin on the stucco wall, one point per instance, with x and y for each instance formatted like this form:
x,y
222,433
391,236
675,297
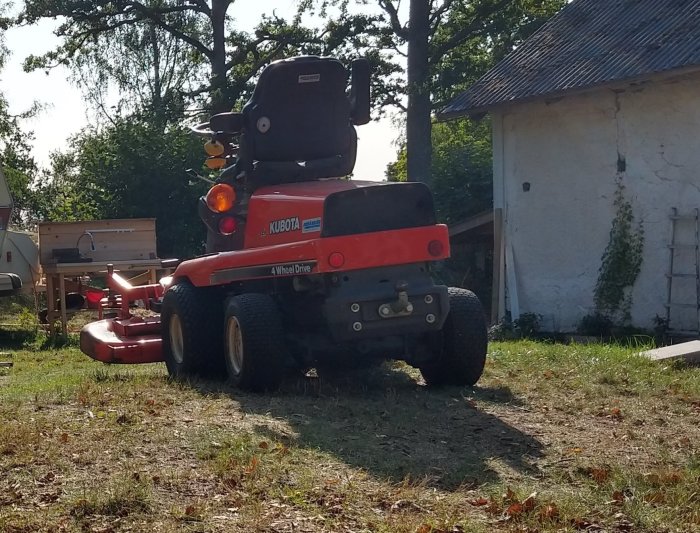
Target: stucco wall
x,y
568,152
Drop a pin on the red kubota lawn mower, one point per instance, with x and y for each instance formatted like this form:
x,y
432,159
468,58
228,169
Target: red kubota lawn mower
x,y
304,267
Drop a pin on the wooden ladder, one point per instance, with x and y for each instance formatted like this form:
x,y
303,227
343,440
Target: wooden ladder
x,y
688,268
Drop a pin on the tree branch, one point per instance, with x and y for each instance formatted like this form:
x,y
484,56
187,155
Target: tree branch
x,y
474,28
154,16
434,19
389,7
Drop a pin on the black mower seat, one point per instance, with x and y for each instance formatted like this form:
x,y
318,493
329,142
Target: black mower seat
x,y
297,125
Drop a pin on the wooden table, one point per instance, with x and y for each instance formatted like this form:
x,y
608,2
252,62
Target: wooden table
x,y
128,243
56,281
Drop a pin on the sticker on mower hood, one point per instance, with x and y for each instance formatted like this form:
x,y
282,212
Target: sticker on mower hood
x,y
263,271
311,225
283,225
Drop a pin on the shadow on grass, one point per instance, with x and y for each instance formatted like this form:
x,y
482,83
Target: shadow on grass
x,y
16,339
383,422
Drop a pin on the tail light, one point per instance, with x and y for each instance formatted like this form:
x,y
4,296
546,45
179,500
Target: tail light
x,y
227,225
436,248
336,260
221,198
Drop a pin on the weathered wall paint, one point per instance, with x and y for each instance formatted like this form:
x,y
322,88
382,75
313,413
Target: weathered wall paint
x,y
568,152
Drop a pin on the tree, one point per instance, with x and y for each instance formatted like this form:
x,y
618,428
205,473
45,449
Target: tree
x,y
442,42
233,58
18,165
462,176
150,68
130,169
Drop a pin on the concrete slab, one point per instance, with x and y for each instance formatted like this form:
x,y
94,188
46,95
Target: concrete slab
x,y
689,351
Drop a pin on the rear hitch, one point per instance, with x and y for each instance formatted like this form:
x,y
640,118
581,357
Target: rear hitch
x,y
399,307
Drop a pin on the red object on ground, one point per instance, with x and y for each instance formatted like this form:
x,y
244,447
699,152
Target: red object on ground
x,y
93,297
126,341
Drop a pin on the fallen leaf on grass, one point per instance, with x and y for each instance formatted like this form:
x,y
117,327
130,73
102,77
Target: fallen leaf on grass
x,y
424,528
63,438
263,445
573,451
655,497
671,478
479,502
529,502
548,374
515,509
599,475
580,523
281,449
618,498
615,413
253,466
549,512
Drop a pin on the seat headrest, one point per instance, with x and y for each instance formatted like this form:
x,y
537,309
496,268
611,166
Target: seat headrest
x,y
300,110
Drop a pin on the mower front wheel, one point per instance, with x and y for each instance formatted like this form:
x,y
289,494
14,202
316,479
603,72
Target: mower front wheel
x,y
254,348
459,353
191,331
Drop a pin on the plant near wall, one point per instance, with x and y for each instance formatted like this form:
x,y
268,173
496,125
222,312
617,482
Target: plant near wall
x,y
621,262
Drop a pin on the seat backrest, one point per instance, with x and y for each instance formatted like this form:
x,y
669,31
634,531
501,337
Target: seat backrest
x,y
299,111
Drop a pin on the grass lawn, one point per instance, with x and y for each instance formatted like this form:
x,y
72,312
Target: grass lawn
x,y
554,438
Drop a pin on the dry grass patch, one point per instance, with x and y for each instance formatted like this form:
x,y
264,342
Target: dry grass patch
x,y
555,438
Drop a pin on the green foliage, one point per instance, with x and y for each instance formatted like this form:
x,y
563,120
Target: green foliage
x,y
596,324
528,324
462,172
16,161
621,261
488,32
162,54
133,169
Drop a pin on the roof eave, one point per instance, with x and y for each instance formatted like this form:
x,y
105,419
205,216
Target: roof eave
x,y
479,112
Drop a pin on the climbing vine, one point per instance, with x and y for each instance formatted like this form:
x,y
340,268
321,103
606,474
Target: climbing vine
x,y
621,262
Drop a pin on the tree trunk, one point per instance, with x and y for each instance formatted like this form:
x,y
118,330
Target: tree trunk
x,y
418,124
219,95
157,86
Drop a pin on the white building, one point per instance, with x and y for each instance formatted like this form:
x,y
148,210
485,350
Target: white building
x,y
606,93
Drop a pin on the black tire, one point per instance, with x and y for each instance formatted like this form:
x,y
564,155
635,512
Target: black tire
x,y
254,347
460,349
191,331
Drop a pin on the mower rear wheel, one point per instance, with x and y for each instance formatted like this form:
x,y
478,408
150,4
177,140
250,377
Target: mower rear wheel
x,y
191,331
460,348
254,349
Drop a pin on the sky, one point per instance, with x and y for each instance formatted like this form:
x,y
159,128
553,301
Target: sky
x,y
65,112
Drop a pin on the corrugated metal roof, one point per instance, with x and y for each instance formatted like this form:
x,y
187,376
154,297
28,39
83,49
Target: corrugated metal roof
x,y
590,43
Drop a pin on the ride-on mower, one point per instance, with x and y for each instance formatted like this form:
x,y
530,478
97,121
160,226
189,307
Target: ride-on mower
x,y
304,267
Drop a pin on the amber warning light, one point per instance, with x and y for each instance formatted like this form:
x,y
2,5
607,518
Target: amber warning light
x,y
220,198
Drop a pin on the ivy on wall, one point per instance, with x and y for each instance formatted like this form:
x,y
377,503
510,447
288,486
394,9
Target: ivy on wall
x,y
621,262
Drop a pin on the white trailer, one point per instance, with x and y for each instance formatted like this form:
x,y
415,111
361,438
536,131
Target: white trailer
x,y
19,257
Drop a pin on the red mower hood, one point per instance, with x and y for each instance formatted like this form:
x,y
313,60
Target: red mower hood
x,y
292,212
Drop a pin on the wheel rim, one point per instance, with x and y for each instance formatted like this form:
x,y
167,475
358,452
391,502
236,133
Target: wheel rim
x,y
176,343
234,344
